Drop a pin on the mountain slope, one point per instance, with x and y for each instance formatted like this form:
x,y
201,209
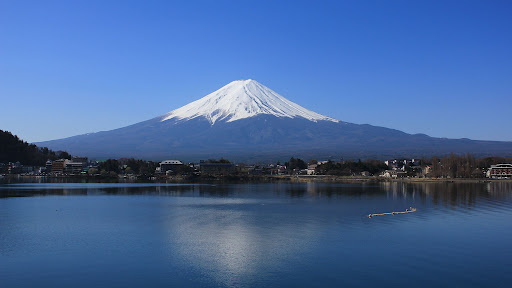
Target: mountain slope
x,y
247,121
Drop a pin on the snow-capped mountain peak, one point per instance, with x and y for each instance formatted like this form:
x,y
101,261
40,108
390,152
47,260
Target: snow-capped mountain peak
x,y
242,99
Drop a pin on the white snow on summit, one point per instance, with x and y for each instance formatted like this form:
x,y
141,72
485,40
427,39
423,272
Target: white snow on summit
x,y
242,99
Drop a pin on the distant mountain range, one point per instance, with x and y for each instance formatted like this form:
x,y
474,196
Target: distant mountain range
x,y
246,121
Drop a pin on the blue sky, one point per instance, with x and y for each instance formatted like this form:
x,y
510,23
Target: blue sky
x,y
443,68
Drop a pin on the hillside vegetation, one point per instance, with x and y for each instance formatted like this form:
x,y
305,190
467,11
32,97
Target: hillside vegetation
x,y
13,149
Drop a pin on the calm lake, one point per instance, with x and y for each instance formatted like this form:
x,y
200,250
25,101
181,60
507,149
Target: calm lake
x,y
254,235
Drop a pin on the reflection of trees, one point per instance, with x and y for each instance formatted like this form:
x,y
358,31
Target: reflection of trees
x,y
336,189
118,189
168,190
441,193
296,190
449,193
453,194
171,190
27,192
438,193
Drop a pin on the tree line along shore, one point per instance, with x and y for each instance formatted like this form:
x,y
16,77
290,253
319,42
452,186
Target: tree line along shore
x,y
16,154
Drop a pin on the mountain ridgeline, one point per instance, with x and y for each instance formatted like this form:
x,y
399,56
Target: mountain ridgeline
x,y
247,121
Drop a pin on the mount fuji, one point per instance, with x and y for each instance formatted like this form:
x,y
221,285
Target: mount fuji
x,y
247,121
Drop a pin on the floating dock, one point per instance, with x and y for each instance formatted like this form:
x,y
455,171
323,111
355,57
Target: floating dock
x,y
410,210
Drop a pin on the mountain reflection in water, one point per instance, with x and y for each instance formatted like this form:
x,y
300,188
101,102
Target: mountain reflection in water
x,y
268,234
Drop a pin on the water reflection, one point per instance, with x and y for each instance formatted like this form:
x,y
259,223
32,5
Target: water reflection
x,y
268,234
500,190
239,241
297,190
47,189
443,193
449,193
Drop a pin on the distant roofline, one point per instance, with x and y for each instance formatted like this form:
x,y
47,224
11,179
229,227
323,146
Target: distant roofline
x,y
502,166
171,162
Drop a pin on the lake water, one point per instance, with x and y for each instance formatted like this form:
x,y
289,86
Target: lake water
x,y
254,235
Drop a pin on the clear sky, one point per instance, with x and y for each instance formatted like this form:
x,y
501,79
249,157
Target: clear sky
x,y
443,68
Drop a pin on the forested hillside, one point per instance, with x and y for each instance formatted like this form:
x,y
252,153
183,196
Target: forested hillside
x,y
13,149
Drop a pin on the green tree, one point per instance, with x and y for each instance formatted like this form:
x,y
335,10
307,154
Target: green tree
x,y
110,165
64,155
13,149
295,163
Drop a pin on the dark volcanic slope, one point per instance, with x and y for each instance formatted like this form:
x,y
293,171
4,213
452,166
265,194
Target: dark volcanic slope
x,y
265,137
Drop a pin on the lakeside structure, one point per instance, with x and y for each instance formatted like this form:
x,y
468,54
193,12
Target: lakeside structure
x,y
77,165
500,171
168,166
389,169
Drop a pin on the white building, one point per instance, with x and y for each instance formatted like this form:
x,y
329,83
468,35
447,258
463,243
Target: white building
x,y
169,165
311,169
500,171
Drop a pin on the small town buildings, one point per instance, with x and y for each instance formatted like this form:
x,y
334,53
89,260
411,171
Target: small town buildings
x,y
302,171
426,170
254,169
404,165
27,169
58,166
392,164
73,167
500,171
169,165
76,165
48,166
311,169
14,168
393,174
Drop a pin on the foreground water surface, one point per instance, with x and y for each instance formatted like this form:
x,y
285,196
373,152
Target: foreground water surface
x,y
247,235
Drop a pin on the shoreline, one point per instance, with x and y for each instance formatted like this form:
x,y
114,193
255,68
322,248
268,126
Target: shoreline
x,y
245,179
359,179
